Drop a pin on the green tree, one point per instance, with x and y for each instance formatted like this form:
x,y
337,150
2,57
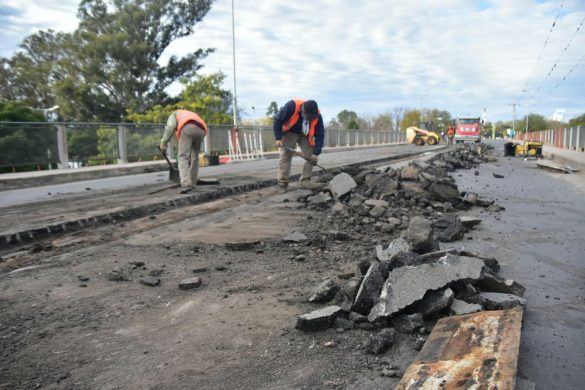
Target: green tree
x,y
536,122
24,144
346,117
272,110
29,76
383,122
410,118
204,95
111,63
578,121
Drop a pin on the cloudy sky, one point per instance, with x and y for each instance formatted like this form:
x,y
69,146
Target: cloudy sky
x,y
372,55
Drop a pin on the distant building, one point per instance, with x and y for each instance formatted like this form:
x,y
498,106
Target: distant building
x,y
558,115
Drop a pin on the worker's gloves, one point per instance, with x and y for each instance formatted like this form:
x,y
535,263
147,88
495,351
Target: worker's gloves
x,y
313,159
162,147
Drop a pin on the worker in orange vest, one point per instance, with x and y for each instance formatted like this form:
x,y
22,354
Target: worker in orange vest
x,y
190,130
450,135
298,122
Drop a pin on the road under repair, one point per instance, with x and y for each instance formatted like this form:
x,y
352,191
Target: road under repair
x,y
101,307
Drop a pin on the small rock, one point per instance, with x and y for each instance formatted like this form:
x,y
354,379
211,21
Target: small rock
x,y
191,283
499,301
200,270
155,272
498,176
295,237
82,278
150,281
318,319
459,307
325,291
381,341
300,258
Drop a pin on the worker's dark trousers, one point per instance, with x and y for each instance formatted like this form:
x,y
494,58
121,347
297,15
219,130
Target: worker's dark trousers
x,y
189,147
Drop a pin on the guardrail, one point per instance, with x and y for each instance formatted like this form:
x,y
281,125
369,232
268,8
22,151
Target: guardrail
x,y
571,138
38,146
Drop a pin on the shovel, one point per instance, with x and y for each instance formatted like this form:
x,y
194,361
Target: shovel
x,y
173,172
302,155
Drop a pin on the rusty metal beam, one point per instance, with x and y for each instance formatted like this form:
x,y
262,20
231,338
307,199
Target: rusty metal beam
x,y
472,351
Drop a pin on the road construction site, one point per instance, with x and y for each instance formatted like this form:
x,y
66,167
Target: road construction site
x,y
348,286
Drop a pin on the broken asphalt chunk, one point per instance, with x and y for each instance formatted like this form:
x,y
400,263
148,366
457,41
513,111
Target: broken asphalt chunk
x,y
150,281
420,235
445,192
325,291
319,319
320,198
469,221
295,237
369,291
499,301
341,184
434,302
494,283
459,307
408,285
454,232
191,283
396,246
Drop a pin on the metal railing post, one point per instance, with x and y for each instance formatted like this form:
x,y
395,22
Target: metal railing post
x,y
122,144
62,148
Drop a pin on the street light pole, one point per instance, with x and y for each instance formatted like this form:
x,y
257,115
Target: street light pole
x,y
234,58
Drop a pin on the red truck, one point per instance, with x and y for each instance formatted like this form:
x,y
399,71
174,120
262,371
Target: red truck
x,y
468,129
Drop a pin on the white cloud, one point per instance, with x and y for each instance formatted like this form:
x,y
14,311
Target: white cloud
x,y
372,55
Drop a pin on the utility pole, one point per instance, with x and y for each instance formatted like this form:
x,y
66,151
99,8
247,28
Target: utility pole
x,y
513,117
234,57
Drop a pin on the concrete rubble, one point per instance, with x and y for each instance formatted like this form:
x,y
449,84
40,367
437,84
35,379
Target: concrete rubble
x,y
415,276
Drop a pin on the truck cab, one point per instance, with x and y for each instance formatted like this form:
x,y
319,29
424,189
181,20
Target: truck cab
x,y
468,130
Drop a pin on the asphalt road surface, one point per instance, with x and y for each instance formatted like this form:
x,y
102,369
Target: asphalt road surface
x,y
539,242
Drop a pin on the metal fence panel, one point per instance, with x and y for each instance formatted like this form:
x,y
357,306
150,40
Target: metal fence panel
x,y
48,145
27,144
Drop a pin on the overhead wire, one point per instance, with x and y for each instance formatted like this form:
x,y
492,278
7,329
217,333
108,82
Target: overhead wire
x,y
553,68
566,76
524,90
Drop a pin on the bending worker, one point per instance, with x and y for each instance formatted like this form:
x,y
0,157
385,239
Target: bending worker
x,y
190,130
298,122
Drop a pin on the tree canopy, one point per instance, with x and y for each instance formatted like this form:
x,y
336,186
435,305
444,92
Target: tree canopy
x,y
578,121
204,95
111,63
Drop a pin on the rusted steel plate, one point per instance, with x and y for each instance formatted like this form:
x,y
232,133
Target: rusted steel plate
x,y
472,351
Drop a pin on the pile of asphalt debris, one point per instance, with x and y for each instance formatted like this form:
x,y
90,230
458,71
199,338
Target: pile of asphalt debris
x,y
410,282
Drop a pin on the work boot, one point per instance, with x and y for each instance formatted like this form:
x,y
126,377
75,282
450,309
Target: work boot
x,y
185,189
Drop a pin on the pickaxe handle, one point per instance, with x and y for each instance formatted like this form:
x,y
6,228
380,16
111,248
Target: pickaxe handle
x,y
302,155
166,158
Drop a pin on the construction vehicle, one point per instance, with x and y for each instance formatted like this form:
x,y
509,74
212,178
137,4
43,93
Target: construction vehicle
x,y
424,134
468,129
524,149
529,149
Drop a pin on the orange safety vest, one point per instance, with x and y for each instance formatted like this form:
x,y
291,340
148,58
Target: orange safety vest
x,y
451,131
286,126
184,117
